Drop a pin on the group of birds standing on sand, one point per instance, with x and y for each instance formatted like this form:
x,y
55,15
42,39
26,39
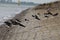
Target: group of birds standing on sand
x,y
14,22
18,22
49,13
45,15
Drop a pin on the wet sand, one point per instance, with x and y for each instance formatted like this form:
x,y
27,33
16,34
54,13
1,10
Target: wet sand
x,y
41,23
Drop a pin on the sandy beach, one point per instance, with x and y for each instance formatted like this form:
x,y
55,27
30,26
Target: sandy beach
x,y
39,23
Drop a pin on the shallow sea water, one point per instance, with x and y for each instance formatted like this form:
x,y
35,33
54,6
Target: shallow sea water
x,y
8,11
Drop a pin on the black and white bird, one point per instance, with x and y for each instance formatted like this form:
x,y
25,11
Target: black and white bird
x,y
16,23
55,14
8,23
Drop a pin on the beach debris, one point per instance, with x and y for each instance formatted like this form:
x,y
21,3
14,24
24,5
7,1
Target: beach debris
x,y
16,23
26,20
36,17
37,27
55,14
18,20
8,23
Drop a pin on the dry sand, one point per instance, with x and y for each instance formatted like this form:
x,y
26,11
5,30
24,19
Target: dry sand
x,y
47,28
